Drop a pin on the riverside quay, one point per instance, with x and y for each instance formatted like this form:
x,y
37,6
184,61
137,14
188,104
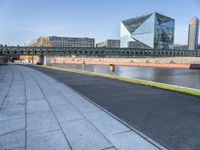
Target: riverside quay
x,y
95,52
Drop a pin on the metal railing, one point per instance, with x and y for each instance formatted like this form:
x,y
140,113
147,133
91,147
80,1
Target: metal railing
x,y
94,52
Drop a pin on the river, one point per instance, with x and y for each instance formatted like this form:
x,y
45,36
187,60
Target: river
x,y
181,77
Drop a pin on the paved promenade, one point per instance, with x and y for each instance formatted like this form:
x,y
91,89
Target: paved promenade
x,y
39,113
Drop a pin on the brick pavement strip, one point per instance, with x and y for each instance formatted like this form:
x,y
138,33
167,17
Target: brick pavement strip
x,y
40,113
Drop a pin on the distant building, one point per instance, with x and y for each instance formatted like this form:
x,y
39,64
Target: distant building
x,y
180,47
152,31
110,43
193,34
55,41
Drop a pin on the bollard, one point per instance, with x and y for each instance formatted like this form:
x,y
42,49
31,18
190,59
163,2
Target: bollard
x,y
112,67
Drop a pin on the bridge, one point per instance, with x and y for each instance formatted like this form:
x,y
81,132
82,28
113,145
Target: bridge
x,y
93,52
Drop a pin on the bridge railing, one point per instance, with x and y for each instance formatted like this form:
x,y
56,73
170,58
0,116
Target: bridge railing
x,y
95,52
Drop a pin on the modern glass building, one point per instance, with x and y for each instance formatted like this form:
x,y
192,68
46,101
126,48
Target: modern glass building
x,y
152,31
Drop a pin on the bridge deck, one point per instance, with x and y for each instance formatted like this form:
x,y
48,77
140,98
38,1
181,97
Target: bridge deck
x,y
95,52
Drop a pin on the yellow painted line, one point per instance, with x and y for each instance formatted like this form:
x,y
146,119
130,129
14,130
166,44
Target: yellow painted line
x,y
164,86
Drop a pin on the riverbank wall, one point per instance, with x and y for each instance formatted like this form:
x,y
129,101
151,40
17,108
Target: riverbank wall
x,y
163,62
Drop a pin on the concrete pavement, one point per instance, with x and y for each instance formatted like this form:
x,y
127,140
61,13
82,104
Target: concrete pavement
x,y
39,113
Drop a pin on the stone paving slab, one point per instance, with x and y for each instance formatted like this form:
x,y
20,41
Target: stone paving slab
x,y
54,140
66,113
11,126
89,138
130,141
12,101
14,112
85,106
41,122
34,93
40,113
57,100
37,106
12,140
105,123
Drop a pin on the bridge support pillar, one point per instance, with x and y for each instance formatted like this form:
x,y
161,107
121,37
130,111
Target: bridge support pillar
x,y
44,60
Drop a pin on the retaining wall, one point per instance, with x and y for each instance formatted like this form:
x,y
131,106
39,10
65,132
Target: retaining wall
x,y
164,62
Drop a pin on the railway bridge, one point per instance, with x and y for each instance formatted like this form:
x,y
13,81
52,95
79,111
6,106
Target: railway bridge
x,y
44,52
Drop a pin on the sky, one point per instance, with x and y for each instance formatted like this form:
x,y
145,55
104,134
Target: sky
x,y
22,21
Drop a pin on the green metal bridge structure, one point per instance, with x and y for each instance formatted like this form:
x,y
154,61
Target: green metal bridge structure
x,y
94,52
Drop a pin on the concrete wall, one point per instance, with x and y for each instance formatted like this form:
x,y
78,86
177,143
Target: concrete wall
x,y
160,60
29,59
45,60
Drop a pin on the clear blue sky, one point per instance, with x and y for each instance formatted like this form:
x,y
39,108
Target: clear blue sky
x,y
24,20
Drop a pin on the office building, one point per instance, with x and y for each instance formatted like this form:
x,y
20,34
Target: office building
x,y
55,41
193,34
152,31
110,43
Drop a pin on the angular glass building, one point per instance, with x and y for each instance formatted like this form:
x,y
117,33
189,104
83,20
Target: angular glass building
x,y
152,31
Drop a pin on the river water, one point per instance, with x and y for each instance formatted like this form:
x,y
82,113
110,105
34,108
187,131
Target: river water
x,y
181,77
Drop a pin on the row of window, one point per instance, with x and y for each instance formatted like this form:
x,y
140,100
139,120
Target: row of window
x,y
73,44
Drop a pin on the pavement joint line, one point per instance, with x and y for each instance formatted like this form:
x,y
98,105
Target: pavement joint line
x,y
2,77
15,148
25,109
1,106
21,103
122,132
35,132
29,113
75,120
37,99
107,148
12,119
52,112
12,132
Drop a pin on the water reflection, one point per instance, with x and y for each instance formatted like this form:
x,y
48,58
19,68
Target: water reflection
x,y
182,77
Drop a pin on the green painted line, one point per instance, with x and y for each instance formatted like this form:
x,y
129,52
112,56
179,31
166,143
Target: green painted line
x,y
163,86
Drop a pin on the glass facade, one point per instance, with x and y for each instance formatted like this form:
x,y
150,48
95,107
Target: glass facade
x,y
153,31
71,42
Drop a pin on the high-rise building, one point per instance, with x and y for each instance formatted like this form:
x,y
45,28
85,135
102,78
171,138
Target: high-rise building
x,y
55,41
193,34
152,31
110,43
